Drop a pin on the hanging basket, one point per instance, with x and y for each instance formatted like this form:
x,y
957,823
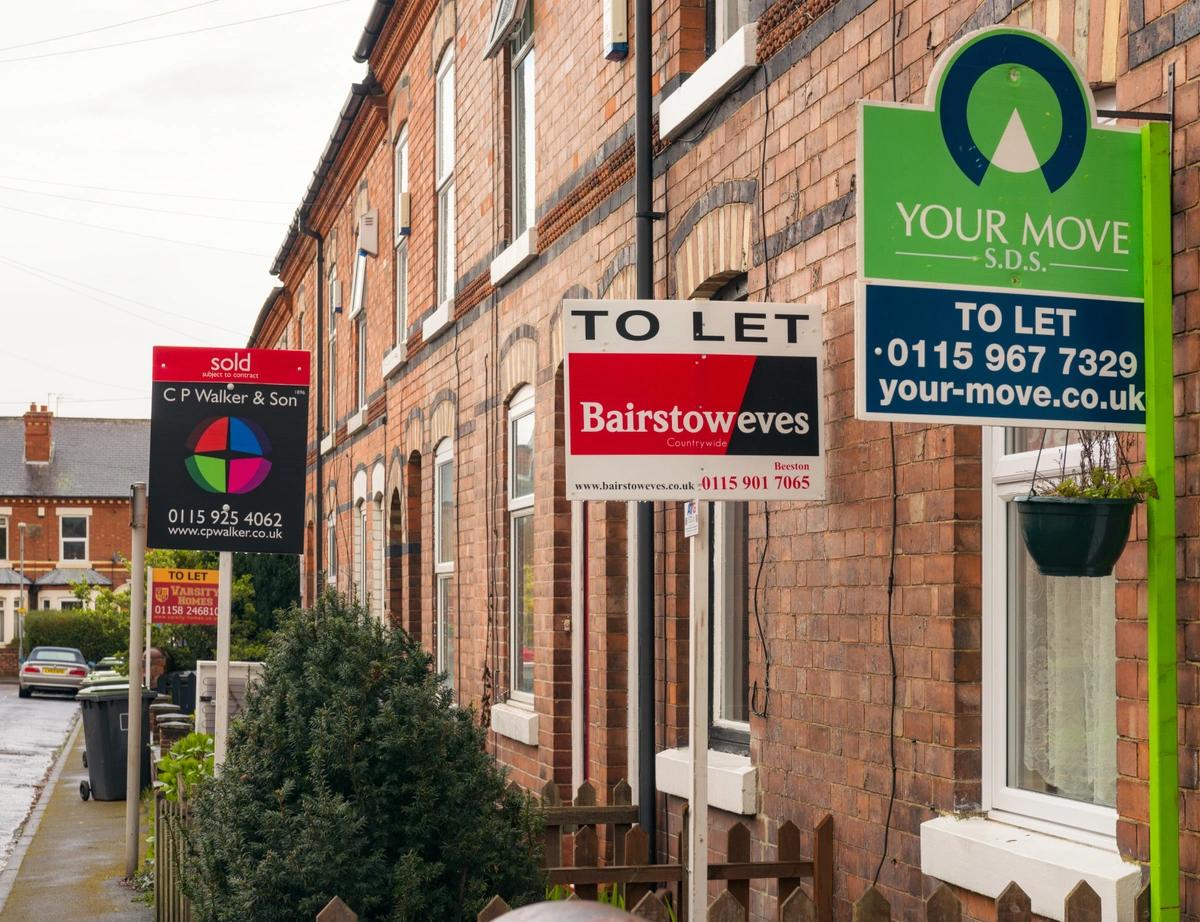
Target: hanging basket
x,y
1073,536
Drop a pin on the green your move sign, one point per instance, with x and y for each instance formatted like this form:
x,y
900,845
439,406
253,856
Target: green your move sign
x,y
1000,247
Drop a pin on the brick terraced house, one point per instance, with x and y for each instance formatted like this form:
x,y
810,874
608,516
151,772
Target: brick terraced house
x,y
65,481
481,173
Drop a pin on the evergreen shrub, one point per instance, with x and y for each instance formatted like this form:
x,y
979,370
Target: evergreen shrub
x,y
94,634
351,773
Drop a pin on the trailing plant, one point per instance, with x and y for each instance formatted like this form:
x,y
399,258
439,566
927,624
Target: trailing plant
x,y
352,772
1102,458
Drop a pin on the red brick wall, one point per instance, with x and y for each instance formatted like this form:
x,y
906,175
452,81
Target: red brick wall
x,y
824,744
8,661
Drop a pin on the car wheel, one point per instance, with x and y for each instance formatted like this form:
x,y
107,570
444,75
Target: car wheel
x,y
24,692
85,790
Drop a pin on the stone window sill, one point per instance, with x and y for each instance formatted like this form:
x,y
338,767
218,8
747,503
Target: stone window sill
x,y
327,444
357,421
516,256
437,321
732,780
709,84
515,722
393,360
983,855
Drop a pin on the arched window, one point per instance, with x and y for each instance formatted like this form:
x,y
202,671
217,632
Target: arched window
x,y
520,544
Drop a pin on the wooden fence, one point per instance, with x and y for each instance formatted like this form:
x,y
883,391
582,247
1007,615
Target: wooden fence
x,y
170,819
632,872
1082,904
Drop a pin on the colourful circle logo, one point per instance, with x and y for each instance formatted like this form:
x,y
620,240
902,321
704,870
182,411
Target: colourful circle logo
x,y
228,455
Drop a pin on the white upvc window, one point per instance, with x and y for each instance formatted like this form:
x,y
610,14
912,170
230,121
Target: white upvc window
x,y
331,554
360,371
401,219
73,537
731,587
444,178
520,544
444,542
725,18
331,376
523,124
361,560
3,537
1049,679
358,285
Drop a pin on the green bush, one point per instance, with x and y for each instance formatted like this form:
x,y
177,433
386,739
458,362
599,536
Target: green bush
x,y
351,773
95,634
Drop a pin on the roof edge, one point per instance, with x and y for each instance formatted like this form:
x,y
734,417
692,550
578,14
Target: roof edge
x,y
263,313
373,29
341,130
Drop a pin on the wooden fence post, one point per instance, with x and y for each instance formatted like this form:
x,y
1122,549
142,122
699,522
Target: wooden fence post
x,y
493,910
798,908
788,849
726,908
622,796
551,835
652,907
336,911
737,848
1141,906
943,906
823,869
637,852
872,906
1082,904
1012,905
587,855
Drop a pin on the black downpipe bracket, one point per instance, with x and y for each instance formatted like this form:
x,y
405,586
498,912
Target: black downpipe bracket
x,y
643,160
319,407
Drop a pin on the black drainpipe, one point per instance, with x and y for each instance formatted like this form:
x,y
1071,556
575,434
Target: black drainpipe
x,y
644,204
320,396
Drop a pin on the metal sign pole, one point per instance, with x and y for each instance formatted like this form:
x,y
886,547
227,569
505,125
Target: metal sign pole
x,y
137,601
697,865
224,616
149,609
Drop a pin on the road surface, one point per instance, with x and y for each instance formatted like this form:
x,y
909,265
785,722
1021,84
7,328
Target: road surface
x,y
31,732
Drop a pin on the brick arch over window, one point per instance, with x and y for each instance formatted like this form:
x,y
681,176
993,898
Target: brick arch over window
x,y
714,240
413,441
518,360
441,417
577,293
619,280
444,27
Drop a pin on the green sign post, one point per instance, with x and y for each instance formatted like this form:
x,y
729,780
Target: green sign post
x,y
1015,269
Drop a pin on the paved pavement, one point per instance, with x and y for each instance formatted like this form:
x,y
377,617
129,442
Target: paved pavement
x,y
69,862
31,732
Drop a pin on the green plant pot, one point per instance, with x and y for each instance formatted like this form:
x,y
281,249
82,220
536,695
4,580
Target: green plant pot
x,y
1072,536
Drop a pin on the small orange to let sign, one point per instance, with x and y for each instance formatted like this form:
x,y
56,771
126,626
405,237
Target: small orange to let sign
x,y
179,596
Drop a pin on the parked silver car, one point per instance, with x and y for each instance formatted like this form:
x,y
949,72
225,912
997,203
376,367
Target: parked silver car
x,y
52,669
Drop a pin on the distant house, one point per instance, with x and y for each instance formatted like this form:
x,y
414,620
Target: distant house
x,y
67,481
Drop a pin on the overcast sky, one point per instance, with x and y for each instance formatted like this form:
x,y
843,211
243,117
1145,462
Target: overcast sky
x,y
226,116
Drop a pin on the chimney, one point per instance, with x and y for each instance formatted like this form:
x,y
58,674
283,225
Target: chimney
x,y
37,435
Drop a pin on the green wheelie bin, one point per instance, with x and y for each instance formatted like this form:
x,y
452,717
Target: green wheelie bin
x,y
105,711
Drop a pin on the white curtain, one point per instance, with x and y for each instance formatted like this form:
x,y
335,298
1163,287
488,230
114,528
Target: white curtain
x,y
1062,695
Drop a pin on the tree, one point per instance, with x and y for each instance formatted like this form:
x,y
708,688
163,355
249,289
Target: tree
x,y
352,773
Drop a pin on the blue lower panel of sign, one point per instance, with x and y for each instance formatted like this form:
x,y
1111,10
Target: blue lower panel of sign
x,y
992,357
